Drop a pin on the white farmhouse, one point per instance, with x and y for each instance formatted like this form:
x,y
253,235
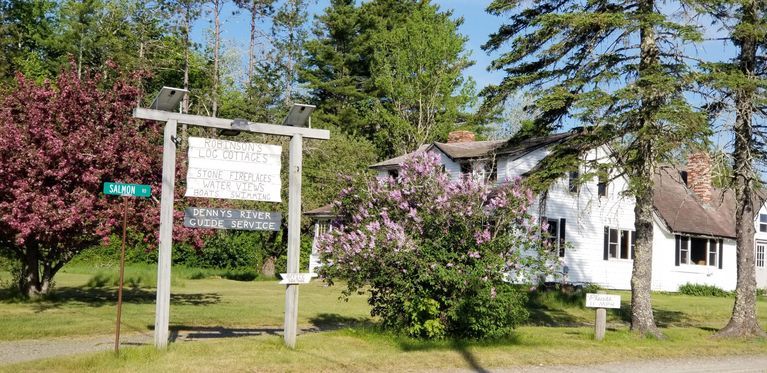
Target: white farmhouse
x,y
694,226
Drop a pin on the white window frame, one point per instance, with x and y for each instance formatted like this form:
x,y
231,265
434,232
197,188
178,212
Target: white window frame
x,y
619,244
759,254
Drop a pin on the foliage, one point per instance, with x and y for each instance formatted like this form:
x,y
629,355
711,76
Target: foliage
x,y
702,290
53,162
389,71
435,255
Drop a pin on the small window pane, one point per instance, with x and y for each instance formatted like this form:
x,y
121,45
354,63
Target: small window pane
x,y
613,243
760,255
763,218
624,244
684,249
712,252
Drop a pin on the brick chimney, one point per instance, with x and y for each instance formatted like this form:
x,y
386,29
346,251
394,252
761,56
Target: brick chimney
x,y
699,175
460,136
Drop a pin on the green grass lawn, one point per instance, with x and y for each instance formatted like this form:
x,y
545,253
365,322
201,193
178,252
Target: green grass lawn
x,y
559,331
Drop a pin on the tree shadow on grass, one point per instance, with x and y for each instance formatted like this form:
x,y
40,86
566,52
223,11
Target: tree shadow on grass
x,y
463,347
97,297
334,321
663,318
190,332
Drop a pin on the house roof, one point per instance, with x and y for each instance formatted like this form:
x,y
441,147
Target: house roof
x,y
683,212
396,161
469,149
321,212
480,149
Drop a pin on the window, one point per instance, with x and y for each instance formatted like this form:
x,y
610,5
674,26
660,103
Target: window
x,y
466,168
762,222
613,243
556,235
619,244
394,173
572,182
760,245
602,186
699,251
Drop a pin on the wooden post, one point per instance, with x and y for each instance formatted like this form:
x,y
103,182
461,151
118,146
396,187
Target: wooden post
x,y
162,310
122,276
600,322
294,237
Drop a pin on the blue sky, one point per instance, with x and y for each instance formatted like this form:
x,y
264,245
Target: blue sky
x,y
477,26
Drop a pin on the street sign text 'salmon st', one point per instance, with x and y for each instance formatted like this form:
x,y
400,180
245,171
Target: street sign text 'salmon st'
x,y
127,190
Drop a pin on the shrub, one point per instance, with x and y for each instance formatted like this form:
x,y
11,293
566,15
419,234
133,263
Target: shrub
x,y
435,255
701,290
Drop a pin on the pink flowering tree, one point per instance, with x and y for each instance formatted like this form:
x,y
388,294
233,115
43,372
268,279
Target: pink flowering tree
x,y
59,142
437,257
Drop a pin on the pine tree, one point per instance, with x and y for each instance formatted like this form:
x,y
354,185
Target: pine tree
x,y
616,67
258,10
389,71
743,82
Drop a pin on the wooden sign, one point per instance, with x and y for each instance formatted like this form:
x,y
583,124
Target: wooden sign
x,y
603,300
233,170
246,220
296,278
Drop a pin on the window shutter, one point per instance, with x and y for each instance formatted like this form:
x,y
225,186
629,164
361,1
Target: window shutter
x,y
720,253
562,237
607,240
677,250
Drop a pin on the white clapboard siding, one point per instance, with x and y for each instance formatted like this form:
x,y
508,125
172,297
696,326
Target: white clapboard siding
x,y
586,216
667,276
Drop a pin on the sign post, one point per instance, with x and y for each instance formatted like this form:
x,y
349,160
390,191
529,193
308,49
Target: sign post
x,y
295,132
601,302
124,190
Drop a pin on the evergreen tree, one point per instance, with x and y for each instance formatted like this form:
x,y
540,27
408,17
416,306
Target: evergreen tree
x,y
25,39
743,82
617,67
289,35
390,71
258,10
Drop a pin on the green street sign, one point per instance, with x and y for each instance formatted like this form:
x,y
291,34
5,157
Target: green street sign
x,y
127,190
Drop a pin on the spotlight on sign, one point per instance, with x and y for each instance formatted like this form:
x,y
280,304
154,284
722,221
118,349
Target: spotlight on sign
x,y
168,99
237,126
298,115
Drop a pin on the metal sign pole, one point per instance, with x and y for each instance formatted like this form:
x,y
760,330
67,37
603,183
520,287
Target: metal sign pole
x,y
122,276
294,237
162,313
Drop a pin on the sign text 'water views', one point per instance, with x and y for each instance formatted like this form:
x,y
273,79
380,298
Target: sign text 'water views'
x,y
233,170
247,220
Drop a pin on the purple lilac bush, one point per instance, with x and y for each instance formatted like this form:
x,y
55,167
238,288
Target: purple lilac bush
x,y
437,257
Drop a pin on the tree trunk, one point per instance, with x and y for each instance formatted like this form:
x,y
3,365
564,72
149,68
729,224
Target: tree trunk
x,y
743,322
267,269
251,50
216,49
185,102
29,278
642,320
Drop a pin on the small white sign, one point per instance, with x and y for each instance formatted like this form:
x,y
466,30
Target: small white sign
x,y
233,170
296,278
603,300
